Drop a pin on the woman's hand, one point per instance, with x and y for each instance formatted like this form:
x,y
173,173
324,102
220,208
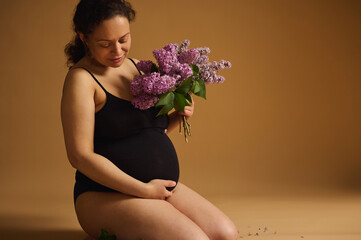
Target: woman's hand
x,y
176,116
188,110
156,189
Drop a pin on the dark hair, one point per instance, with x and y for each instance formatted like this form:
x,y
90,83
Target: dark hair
x,y
88,15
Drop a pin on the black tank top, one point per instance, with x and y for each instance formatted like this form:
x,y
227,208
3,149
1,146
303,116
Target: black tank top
x,y
134,140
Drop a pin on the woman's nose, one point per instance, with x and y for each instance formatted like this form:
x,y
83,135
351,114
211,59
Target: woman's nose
x,y
117,49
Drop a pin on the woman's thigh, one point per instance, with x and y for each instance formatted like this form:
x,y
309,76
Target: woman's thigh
x,y
208,217
134,218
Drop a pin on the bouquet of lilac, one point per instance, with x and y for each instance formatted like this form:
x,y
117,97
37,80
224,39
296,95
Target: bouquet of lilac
x,y
179,73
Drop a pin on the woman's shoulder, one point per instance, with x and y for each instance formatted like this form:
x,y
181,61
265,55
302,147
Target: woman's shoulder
x,y
78,79
134,59
77,75
78,70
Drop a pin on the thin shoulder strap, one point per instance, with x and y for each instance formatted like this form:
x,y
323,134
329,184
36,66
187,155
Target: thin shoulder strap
x,y
94,78
135,65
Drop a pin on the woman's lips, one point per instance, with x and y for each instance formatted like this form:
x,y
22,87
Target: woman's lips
x,y
116,60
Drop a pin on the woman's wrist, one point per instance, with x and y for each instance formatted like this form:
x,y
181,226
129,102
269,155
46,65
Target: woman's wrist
x,y
141,190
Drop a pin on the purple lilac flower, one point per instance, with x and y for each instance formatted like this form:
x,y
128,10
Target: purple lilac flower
x,y
171,48
208,71
225,64
166,83
218,79
201,60
206,75
173,64
185,70
148,82
169,64
144,101
204,50
176,46
136,86
184,45
177,77
166,58
215,66
155,84
145,66
221,65
188,56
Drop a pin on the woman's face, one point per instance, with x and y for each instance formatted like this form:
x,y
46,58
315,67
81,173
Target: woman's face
x,y
110,41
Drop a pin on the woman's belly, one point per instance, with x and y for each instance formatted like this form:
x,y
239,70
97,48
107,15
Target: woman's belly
x,y
145,156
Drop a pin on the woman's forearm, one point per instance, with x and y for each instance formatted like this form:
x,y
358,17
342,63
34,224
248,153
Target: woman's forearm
x,y
104,172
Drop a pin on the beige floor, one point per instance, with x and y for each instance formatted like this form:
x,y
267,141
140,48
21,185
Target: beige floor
x,y
328,217
312,218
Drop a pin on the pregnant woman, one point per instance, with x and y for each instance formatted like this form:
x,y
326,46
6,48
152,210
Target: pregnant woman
x,y
127,168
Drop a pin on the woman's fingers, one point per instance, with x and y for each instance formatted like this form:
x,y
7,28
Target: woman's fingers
x,y
168,183
167,195
157,188
188,111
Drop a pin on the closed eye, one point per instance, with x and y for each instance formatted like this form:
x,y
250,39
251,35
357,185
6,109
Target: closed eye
x,y
104,45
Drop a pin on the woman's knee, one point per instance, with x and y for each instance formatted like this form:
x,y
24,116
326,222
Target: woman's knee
x,y
226,231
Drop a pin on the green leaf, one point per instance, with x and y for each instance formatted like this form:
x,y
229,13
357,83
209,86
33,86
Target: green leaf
x,y
196,88
195,69
202,91
104,235
165,99
154,68
185,86
189,99
180,102
165,109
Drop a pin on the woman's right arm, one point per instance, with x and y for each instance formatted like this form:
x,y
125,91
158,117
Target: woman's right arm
x,y
78,116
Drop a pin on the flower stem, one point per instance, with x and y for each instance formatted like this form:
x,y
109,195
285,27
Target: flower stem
x,y
186,128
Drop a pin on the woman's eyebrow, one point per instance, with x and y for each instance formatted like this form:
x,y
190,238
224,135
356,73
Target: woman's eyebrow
x,y
99,40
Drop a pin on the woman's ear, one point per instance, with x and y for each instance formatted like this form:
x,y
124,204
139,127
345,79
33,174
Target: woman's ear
x,y
81,36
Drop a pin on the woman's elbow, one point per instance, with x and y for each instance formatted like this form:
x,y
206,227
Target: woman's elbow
x,y
76,159
73,160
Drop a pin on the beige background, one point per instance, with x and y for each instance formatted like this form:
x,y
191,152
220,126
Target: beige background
x,y
286,120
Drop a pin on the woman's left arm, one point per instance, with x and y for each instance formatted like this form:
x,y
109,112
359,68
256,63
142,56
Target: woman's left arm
x,y
175,118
